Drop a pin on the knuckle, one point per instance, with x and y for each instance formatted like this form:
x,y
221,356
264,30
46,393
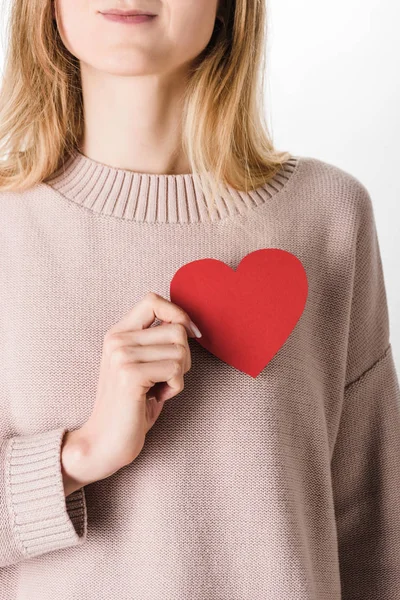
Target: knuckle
x,y
176,367
179,333
112,340
180,351
151,297
180,387
119,355
130,371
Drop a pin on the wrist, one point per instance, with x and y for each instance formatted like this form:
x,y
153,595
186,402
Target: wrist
x,y
76,461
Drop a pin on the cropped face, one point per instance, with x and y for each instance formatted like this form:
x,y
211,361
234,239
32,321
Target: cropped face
x,y
167,42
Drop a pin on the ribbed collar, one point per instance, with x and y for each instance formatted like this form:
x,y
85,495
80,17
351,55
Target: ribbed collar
x,y
154,198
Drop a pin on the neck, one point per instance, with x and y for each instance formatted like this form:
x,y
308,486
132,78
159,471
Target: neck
x,y
134,123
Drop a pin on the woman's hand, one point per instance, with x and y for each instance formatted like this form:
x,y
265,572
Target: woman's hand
x,y
141,367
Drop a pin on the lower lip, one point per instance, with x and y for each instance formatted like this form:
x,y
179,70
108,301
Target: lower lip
x,y
129,18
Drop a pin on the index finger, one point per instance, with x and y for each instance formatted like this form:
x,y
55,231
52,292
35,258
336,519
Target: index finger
x,y
153,306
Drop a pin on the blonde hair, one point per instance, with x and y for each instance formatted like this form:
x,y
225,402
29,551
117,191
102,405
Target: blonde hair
x,y
225,135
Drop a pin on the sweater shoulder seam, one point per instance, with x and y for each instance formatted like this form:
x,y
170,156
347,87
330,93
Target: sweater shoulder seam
x,y
368,369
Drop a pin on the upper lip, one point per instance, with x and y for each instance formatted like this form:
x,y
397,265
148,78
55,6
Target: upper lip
x,y
117,11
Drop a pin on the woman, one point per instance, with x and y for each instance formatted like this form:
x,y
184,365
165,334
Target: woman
x,y
138,460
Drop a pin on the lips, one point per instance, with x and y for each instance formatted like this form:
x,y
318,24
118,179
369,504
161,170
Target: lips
x,y
126,13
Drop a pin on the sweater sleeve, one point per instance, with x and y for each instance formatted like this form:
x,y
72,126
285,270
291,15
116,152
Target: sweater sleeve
x,y
366,456
35,515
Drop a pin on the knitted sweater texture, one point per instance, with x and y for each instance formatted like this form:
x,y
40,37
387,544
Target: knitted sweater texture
x,y
285,486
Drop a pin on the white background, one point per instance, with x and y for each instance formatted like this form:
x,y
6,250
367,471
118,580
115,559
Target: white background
x,y
333,92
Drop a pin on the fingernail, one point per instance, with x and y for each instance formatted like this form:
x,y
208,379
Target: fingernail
x,y
195,329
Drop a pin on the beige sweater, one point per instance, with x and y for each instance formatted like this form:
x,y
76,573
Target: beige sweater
x,y
285,486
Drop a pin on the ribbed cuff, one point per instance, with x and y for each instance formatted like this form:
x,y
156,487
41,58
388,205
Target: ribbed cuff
x,y
43,519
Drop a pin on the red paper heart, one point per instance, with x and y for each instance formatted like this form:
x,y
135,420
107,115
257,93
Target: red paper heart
x,y
246,315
